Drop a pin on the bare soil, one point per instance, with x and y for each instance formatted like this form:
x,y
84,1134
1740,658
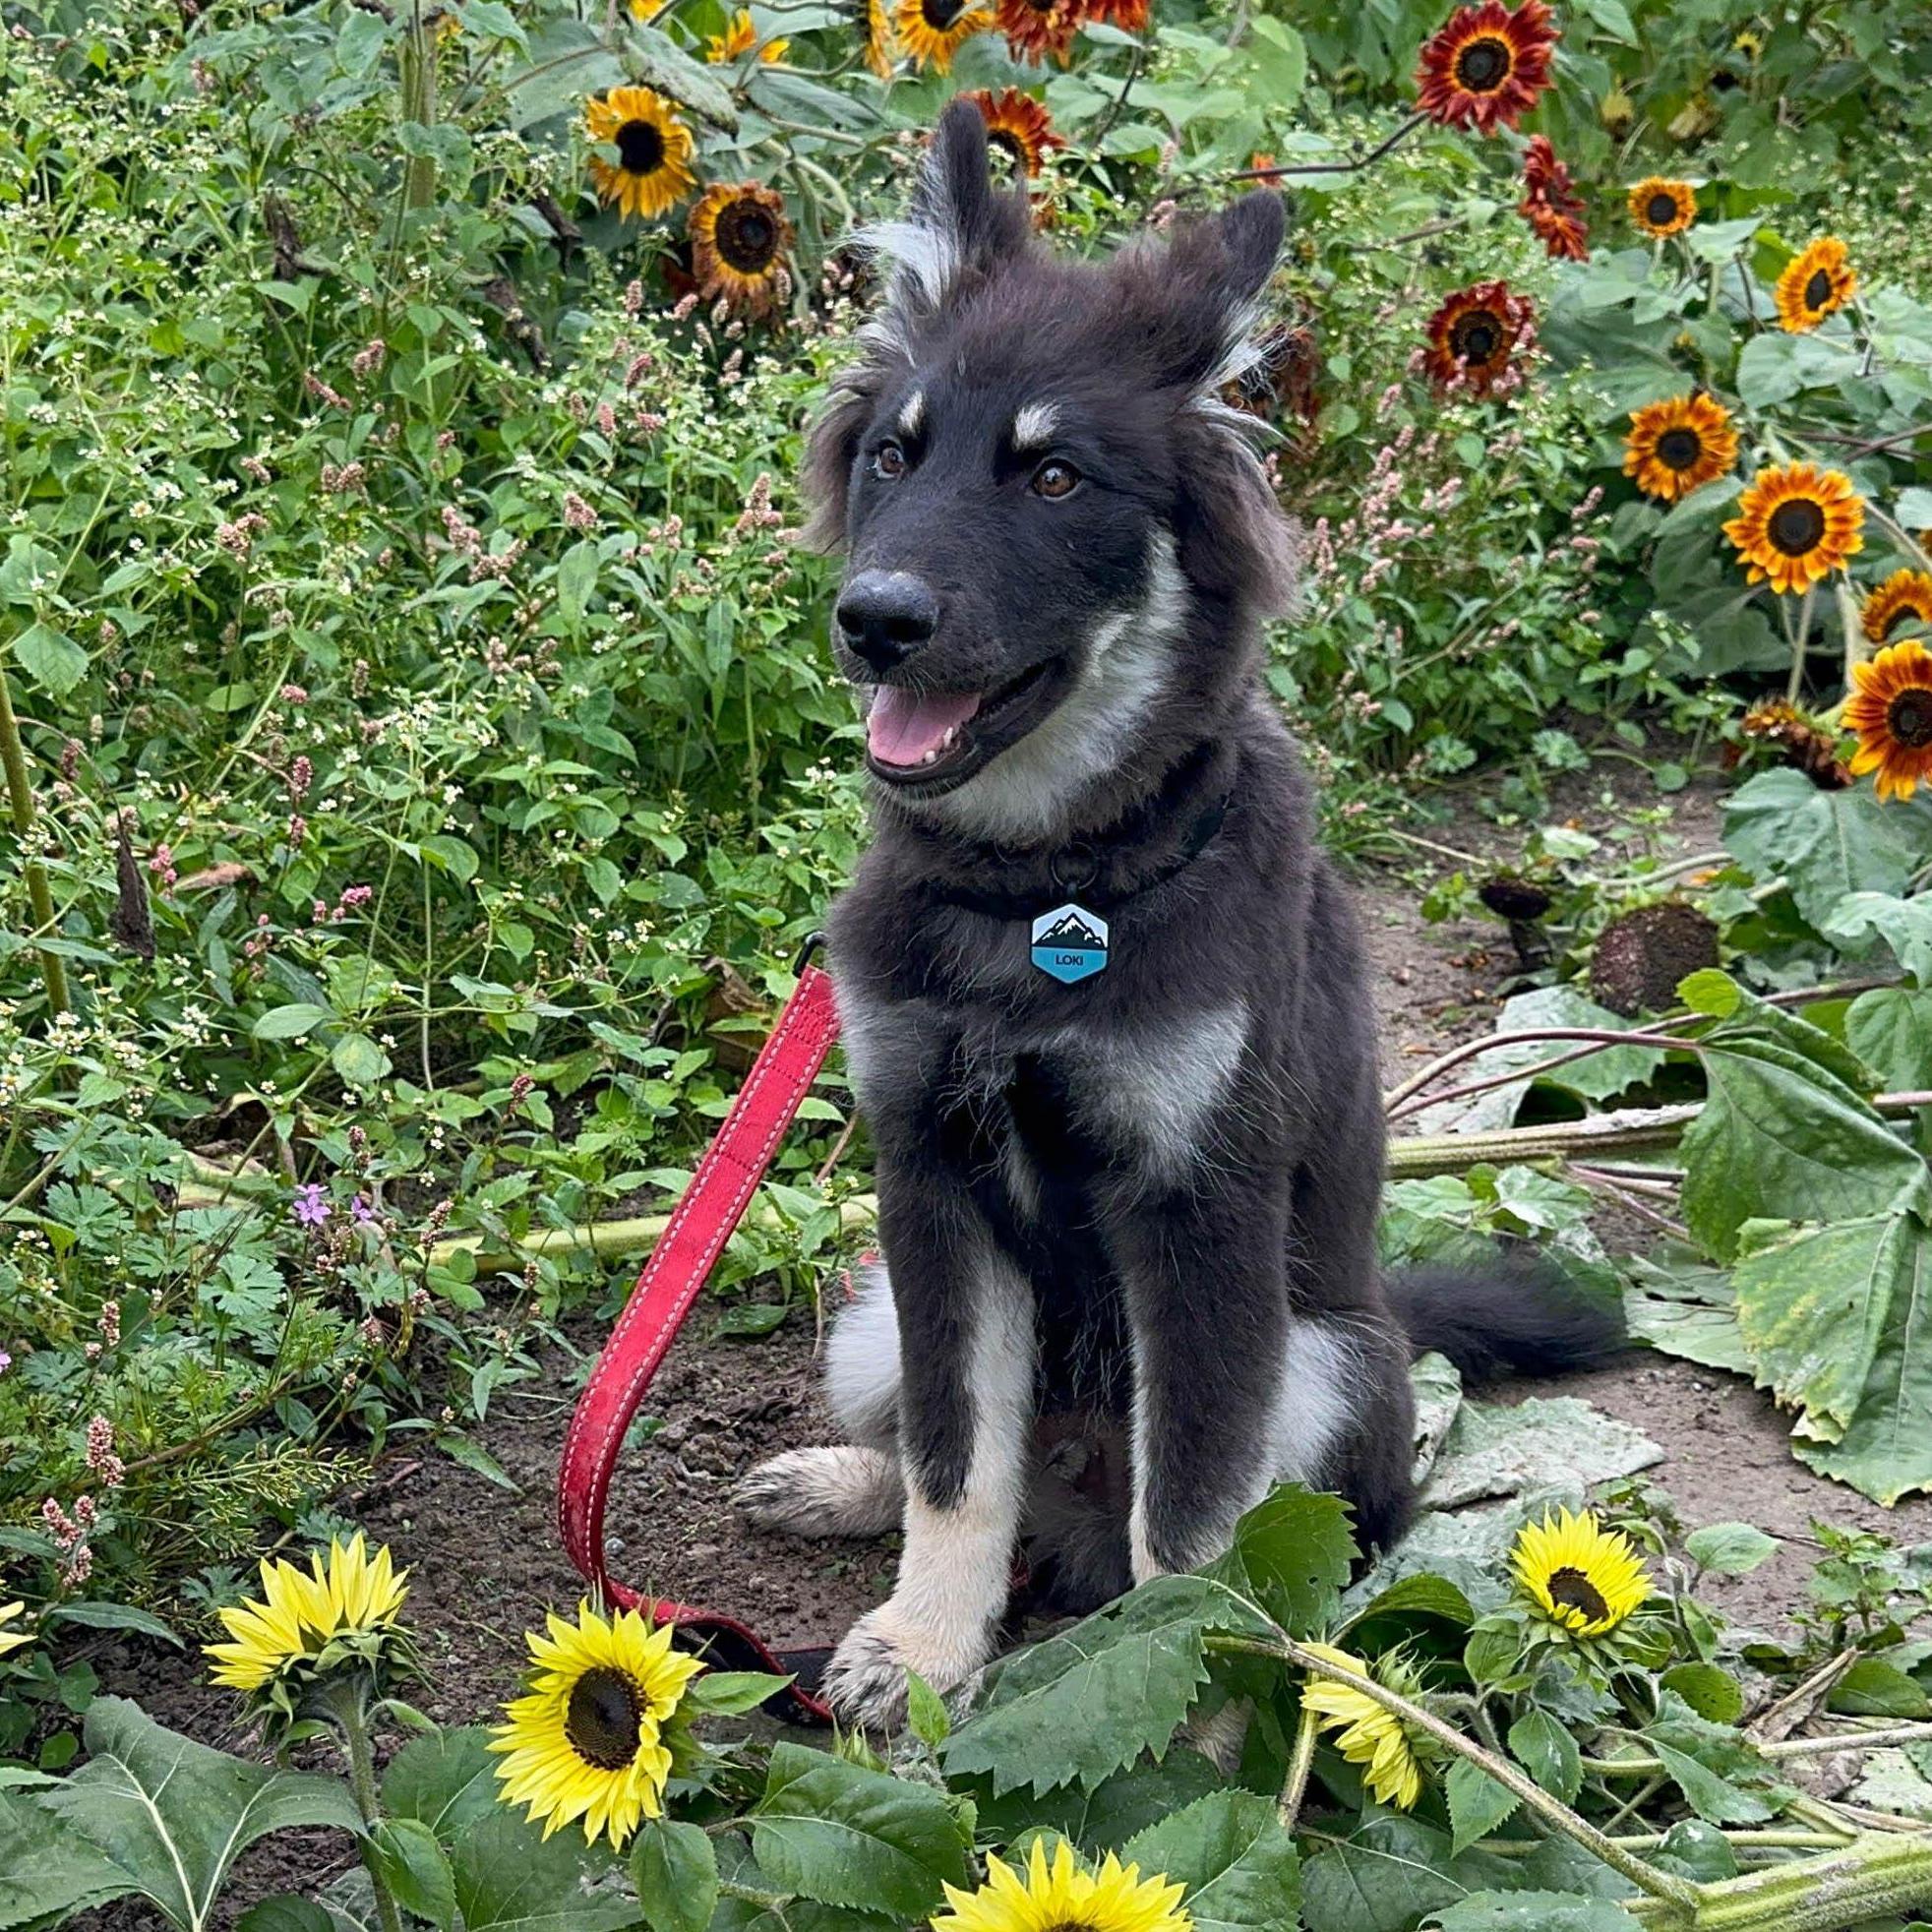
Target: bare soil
x,y
485,1562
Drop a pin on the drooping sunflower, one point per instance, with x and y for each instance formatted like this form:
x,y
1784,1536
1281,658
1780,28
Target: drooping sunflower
x,y
1801,744
1018,125
739,39
1473,336
1817,283
1550,204
1584,1579
1679,446
741,244
882,46
1663,208
1890,710
932,31
1371,1736
1058,1896
1796,525
654,152
1487,65
1129,16
356,1591
1035,28
1905,597
589,1739
9,1614
351,1599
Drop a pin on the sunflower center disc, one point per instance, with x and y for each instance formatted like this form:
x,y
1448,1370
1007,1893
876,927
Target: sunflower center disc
x,y
1479,336
1908,613
1818,290
604,1719
1483,65
1571,1590
640,148
1679,448
1908,718
1009,142
748,238
940,13
1663,211
1796,527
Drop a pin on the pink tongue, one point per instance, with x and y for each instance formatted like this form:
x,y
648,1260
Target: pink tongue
x,y
903,726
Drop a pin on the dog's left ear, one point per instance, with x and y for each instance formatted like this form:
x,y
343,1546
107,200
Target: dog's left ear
x,y
959,227
1215,272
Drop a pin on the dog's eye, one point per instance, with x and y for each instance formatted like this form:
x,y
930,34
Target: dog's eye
x,y
1055,479
889,461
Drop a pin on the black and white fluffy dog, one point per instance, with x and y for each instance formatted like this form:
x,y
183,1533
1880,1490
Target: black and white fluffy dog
x,y
1128,1222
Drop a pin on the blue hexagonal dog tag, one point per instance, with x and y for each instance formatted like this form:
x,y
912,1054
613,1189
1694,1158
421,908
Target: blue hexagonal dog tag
x,y
1070,942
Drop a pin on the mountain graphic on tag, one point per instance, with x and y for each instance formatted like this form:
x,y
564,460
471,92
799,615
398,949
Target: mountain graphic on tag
x,y
1069,942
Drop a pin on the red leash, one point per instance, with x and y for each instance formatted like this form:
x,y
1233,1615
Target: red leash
x,y
672,1278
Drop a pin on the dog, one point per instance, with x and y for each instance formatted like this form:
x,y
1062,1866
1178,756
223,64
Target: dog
x,y
1103,1001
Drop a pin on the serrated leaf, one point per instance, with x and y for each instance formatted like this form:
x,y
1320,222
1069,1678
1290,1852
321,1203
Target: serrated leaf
x,y
1876,1688
1292,1553
1544,1748
1536,1912
926,1712
49,1870
1687,1309
50,657
175,1815
1478,1804
509,1877
358,1059
1712,1692
845,1836
446,1780
1239,1866
1087,1701
416,1870
1890,1029
1905,925
1390,1874
1824,844
675,1868
1114,1810
1730,1550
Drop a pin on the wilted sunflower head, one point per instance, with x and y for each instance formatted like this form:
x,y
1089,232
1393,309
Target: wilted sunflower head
x,y
1797,525
1129,16
592,1738
1487,65
1584,1579
1905,597
1818,282
741,244
1679,446
1057,1895
1890,710
1370,1735
1474,335
652,171
1550,204
1035,28
932,31
1663,208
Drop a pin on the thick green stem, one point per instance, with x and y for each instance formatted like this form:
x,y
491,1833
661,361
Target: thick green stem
x,y
1888,1738
1295,1789
345,1704
20,795
416,64
1876,1878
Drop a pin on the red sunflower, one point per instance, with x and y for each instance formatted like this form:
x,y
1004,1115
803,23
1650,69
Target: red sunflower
x,y
1475,336
1550,204
1486,65
1129,16
1035,28
1018,126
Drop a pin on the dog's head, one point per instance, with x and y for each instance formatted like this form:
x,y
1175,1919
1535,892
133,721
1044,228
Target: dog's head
x,y
1056,534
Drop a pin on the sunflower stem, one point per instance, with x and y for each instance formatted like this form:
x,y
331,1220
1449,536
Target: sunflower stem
x,y
19,794
1791,1747
347,1707
1677,1894
1871,1879
1299,1767
1801,632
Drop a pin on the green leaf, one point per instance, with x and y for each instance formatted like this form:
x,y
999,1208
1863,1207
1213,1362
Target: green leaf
x,y
1915,508
1292,1553
446,1778
509,1877
51,658
1890,1029
115,1616
1535,1912
1231,1851
358,1059
48,1869
286,1912
1713,1693
290,1022
1114,1811
1824,844
1710,1764
655,59
1730,1550
1874,1688
1478,1804
675,1868
1905,925
732,1693
1774,367
845,1836
1089,1699
175,1815
926,1712
1687,1309
415,1868
1544,1748
1390,1874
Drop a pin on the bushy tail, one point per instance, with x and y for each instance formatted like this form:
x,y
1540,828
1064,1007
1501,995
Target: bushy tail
x,y
1513,1315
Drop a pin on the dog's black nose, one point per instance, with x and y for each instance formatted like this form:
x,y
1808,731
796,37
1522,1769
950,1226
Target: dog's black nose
x,y
884,616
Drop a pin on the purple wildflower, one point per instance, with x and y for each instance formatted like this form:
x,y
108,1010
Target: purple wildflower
x,y
311,1209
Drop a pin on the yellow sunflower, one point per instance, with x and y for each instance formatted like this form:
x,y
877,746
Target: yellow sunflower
x,y
1905,597
351,1596
590,1739
1586,1579
1061,1898
9,1614
1796,526
1663,208
739,239
882,44
1370,1735
932,31
356,1591
739,39
1818,284
1677,446
653,150
1890,710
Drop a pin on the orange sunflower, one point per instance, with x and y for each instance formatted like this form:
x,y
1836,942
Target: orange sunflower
x,y
654,152
1677,446
1018,125
1818,284
1550,204
740,244
1474,337
1663,208
1129,16
739,39
1485,67
1905,597
1796,526
1035,28
932,31
882,44
1892,712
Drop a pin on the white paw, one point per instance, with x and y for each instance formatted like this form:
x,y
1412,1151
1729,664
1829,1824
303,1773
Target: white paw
x,y
865,1680
845,1491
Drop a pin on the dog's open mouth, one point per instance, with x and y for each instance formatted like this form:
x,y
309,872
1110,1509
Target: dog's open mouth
x,y
932,740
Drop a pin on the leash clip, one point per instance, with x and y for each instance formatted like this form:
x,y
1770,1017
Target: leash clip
x,y
812,942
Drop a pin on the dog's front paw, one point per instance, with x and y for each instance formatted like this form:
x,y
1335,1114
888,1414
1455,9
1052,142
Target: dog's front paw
x,y
846,1492
865,1680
